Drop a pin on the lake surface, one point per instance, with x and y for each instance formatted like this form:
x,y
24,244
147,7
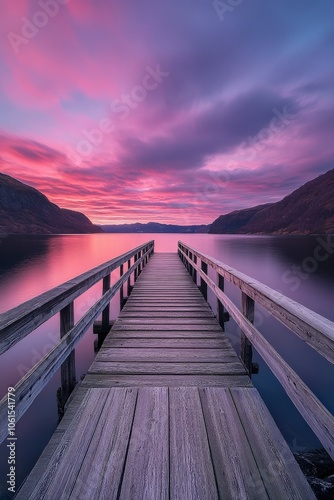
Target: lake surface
x,y
300,267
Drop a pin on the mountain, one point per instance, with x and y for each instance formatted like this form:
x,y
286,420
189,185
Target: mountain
x,y
307,210
234,222
154,227
23,209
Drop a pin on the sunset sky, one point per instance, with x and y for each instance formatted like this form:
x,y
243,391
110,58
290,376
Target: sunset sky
x,y
171,111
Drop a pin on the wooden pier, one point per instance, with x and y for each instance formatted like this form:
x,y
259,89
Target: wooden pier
x,y
167,409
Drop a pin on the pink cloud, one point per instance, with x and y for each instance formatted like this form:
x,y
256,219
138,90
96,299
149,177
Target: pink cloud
x,y
162,161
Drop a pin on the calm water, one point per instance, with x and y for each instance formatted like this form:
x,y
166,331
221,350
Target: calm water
x,y
292,265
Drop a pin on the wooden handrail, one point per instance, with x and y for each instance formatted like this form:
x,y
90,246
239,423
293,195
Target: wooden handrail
x,y
314,329
313,411
28,388
18,322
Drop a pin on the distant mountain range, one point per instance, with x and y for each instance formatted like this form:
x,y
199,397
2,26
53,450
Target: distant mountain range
x,y
307,210
153,227
23,209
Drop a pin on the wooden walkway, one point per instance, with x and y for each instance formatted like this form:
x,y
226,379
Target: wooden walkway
x,y
166,411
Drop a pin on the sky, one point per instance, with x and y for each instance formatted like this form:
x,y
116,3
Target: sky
x,y
174,111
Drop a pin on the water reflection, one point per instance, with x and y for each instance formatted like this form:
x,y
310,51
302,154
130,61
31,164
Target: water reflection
x,y
16,251
32,265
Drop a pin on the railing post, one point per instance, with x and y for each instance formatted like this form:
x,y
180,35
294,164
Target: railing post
x,y
246,350
182,255
67,370
129,279
195,272
220,307
121,291
136,270
105,326
140,265
204,286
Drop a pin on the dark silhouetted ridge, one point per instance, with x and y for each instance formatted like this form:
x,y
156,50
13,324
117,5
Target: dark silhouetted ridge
x,y
24,209
307,210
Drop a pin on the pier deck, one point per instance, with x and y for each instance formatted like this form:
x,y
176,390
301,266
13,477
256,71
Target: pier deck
x,y
166,410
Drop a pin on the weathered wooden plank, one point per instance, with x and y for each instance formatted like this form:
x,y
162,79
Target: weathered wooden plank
x,y
181,321
191,470
139,380
280,472
169,285
168,301
157,267
190,343
146,473
151,368
167,290
178,286
177,304
160,294
175,290
182,283
167,327
130,313
163,293
163,334
165,308
235,467
101,472
156,283
170,355
168,272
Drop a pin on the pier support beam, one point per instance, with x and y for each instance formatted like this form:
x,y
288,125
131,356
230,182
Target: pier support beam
x,y
194,269
121,291
246,351
129,287
68,377
221,316
106,312
204,286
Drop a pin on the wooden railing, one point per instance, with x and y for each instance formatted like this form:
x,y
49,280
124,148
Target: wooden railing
x,y
20,321
314,329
